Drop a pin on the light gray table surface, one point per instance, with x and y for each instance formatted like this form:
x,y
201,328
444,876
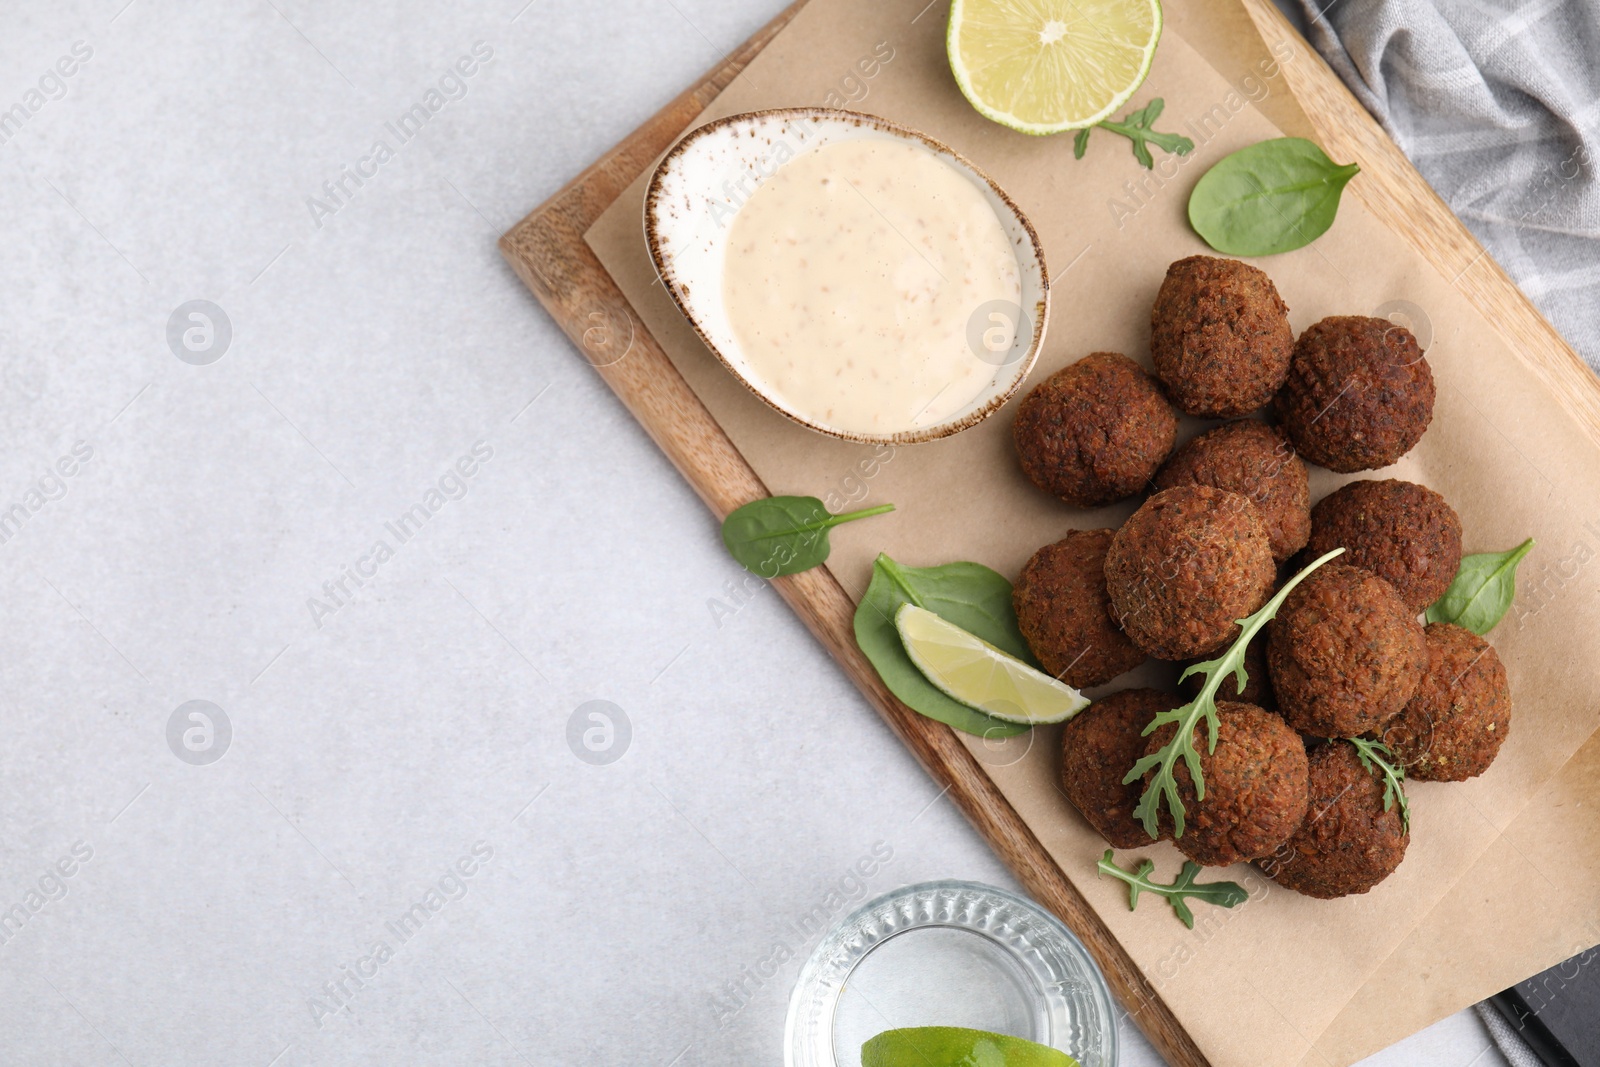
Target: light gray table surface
x,y
374,737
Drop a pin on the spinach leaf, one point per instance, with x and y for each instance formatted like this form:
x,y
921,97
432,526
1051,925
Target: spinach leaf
x,y
969,595
784,534
1222,894
1273,196
1483,590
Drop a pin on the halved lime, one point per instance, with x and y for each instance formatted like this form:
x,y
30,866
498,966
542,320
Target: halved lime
x,y
952,1046
1043,66
968,669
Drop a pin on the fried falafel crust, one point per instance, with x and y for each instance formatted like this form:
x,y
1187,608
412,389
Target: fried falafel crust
x,y
1062,611
1455,723
1403,532
1099,746
1094,432
1256,786
1347,843
1256,461
1219,337
1345,653
1359,393
1185,567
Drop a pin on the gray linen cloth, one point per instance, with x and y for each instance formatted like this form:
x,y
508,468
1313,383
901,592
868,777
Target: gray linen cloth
x,y
1497,103
1512,1047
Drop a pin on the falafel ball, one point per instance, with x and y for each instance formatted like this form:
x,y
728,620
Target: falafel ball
x,y
1254,460
1348,843
1455,723
1184,567
1403,532
1094,432
1220,337
1256,786
1345,653
1258,684
1099,746
1061,606
1359,393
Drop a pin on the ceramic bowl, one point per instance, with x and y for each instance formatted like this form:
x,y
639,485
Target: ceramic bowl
x,y
708,176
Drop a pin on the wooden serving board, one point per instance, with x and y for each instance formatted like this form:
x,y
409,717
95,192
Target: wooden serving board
x,y
548,251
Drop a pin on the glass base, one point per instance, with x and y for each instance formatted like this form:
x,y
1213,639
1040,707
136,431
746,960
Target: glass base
x,y
949,954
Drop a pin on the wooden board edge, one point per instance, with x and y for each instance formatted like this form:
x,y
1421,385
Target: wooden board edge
x,y
548,252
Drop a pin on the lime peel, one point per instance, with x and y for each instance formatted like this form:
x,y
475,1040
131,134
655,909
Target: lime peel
x,y
1045,66
920,1046
973,672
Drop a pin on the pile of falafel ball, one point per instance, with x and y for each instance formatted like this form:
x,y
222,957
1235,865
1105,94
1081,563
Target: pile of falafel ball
x,y
1229,515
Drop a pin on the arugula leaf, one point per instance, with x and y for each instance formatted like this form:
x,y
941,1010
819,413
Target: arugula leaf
x,y
784,534
1222,894
1376,758
1136,128
1482,591
1272,196
969,595
1164,785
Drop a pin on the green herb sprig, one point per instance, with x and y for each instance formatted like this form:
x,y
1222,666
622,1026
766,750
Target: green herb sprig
x,y
1136,128
784,534
1482,591
1376,757
1222,894
1164,785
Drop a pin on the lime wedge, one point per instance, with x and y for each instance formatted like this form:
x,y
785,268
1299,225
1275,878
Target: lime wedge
x,y
1043,66
970,670
951,1046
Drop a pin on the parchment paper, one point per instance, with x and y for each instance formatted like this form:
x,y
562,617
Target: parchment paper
x,y
1500,878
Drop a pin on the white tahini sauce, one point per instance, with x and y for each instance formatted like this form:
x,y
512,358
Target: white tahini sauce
x,y
856,282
